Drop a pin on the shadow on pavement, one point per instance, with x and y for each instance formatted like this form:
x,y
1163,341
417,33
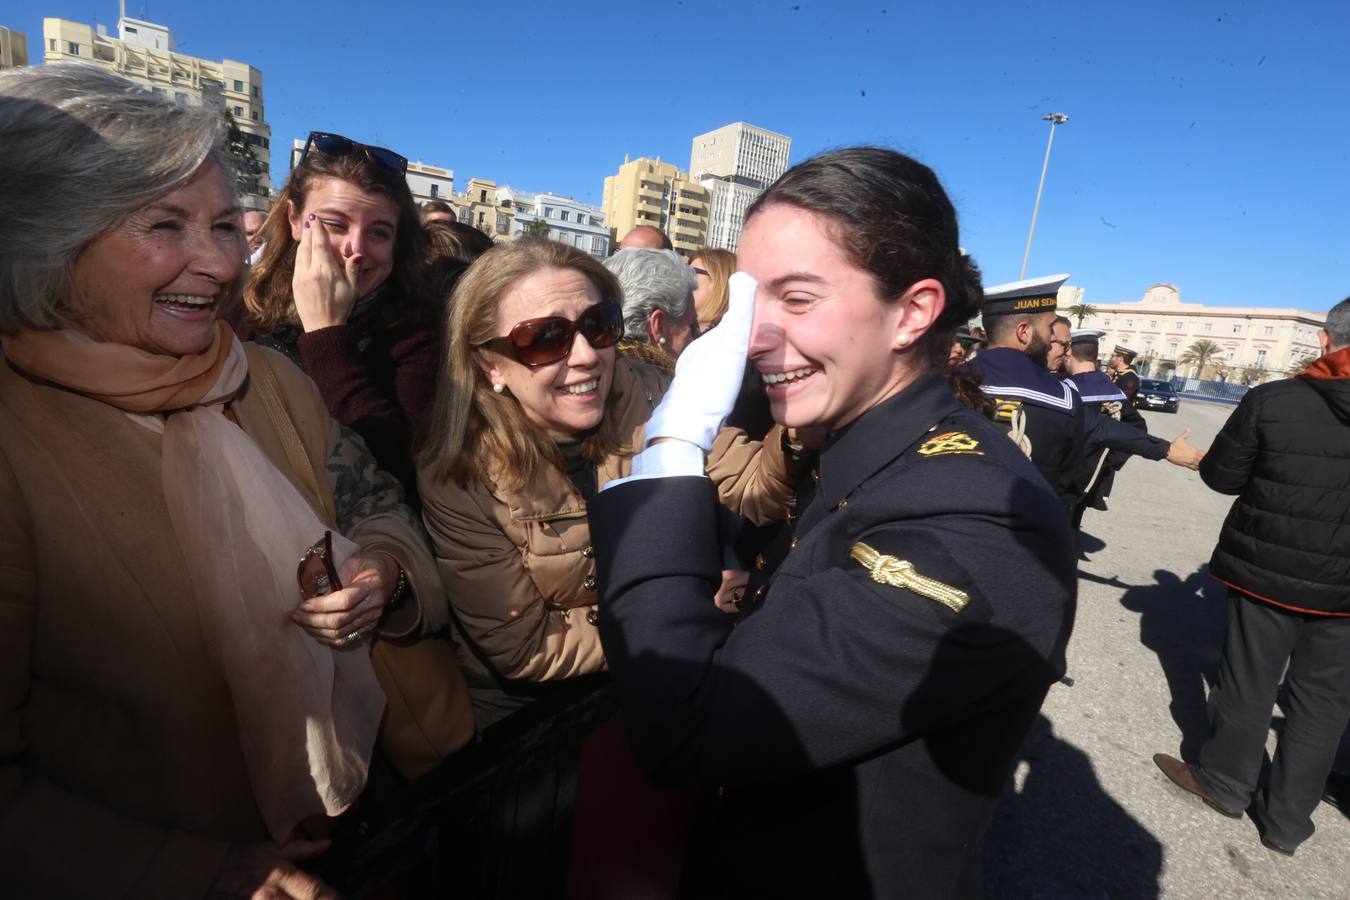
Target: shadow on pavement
x,y
1062,835
1182,621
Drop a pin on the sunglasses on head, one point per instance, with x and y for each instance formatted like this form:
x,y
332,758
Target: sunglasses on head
x,y
335,145
539,342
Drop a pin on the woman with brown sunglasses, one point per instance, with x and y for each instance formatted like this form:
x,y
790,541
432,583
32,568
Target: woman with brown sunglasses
x,y
342,290
533,409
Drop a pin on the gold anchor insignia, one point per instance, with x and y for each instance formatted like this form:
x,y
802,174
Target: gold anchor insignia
x,y
901,573
951,442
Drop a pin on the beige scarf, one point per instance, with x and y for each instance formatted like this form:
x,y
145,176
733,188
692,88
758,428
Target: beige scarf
x,y
307,715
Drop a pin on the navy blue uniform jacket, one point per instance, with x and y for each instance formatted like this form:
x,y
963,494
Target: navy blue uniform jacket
x,y
859,733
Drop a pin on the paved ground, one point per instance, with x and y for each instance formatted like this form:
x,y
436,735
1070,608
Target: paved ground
x,y
1089,815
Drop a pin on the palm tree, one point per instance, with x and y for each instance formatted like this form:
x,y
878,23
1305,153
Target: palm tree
x,y
536,228
1200,354
1303,362
1081,311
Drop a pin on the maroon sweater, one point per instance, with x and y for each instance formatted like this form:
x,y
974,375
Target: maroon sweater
x,y
378,381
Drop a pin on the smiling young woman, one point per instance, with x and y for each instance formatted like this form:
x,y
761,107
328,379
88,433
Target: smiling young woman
x,y
903,631
341,289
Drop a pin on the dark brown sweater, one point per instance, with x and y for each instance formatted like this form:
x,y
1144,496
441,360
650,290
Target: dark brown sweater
x,y
376,379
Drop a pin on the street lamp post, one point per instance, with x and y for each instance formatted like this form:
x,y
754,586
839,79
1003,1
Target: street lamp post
x,y
1054,119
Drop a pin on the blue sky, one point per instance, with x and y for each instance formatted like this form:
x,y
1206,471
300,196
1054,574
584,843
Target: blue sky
x,y
1208,144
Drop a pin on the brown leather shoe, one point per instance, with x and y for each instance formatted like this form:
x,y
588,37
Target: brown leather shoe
x,y
1183,776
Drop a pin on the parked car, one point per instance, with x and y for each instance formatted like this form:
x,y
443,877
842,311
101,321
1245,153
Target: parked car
x,y
1155,394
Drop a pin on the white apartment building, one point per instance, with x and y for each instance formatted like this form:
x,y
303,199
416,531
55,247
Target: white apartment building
x,y
735,163
1256,344
144,53
430,182
569,221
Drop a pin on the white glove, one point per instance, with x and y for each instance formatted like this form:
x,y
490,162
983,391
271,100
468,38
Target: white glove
x,y
708,375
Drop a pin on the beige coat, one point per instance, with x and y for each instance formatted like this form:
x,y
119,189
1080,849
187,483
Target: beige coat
x,y
518,565
120,768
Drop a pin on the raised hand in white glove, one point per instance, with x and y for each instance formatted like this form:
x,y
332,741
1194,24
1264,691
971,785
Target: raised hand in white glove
x,y
708,375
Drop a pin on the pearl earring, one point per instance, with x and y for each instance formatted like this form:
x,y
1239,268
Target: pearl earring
x,y
661,340
498,388
903,340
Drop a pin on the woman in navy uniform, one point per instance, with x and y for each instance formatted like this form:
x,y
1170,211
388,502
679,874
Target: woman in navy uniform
x,y
857,725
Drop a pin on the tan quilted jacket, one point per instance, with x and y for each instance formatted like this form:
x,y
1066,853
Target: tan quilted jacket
x,y
518,566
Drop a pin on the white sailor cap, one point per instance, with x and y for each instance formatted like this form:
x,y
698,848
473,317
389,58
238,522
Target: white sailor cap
x,y
1031,295
1086,336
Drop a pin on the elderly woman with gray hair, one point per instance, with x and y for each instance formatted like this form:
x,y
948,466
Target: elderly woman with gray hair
x,y
176,718
659,316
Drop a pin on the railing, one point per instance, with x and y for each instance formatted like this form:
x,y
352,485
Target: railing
x,y
1223,391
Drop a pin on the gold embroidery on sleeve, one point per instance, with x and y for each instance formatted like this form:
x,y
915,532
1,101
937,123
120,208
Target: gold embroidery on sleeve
x,y
902,574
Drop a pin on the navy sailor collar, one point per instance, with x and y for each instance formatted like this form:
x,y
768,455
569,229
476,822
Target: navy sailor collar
x,y
1012,375
1095,387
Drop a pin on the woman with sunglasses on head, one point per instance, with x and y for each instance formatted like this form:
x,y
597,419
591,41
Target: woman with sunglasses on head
x,y
535,409
862,718
341,289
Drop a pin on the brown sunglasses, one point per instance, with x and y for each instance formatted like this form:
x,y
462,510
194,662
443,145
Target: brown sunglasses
x,y
539,342
317,575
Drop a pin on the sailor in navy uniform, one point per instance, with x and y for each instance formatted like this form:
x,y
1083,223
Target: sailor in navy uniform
x,y
1046,416
1125,377
1096,390
863,717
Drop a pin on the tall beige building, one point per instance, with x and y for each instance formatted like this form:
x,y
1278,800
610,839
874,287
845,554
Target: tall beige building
x,y
735,164
143,52
13,48
647,191
1255,344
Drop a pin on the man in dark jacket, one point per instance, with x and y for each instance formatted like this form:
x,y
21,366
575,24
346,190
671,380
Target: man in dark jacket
x,y
1284,553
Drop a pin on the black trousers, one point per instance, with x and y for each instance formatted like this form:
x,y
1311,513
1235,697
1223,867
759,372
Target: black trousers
x,y
1261,639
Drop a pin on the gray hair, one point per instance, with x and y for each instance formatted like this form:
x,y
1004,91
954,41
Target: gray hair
x,y
1338,324
651,279
82,149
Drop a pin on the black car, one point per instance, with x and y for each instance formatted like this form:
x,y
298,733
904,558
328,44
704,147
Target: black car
x,y
1155,394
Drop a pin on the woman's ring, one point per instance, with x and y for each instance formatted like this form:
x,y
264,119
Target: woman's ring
x,y
354,636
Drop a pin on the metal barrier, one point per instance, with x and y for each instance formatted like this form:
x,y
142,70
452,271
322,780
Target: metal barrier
x,y
1210,390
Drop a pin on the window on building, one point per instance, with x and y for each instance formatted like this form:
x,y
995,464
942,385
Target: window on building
x,y
564,215
238,85
1179,324
482,196
73,47
1129,323
1269,329
1153,323
435,190
239,111
51,44
548,212
1209,326
503,223
1260,357
598,245
253,114
482,218
255,90
1172,350
1106,322
1237,329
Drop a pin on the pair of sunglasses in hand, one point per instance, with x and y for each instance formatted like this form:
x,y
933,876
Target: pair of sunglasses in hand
x,y
317,575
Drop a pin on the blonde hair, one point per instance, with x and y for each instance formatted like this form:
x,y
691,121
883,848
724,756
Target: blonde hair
x,y
473,432
721,265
